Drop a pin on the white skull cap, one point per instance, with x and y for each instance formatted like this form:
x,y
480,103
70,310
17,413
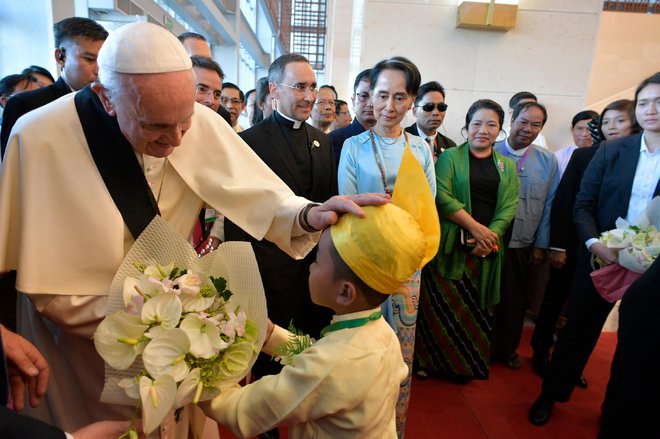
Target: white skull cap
x,y
143,48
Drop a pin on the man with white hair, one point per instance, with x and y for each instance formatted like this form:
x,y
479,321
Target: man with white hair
x,y
72,205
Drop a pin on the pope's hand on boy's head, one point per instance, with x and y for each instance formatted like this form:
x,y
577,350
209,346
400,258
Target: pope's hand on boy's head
x,y
328,213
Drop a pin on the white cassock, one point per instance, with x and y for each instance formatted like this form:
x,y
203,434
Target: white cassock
x,y
61,231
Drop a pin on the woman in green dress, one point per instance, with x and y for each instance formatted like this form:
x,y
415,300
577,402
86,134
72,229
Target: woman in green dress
x,y
477,198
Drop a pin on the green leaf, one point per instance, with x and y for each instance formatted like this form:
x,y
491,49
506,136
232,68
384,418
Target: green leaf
x,y
297,343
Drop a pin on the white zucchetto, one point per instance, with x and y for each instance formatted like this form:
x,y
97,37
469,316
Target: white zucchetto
x,y
143,48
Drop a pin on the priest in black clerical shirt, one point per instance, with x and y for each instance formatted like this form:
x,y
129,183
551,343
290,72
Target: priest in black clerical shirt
x,y
302,157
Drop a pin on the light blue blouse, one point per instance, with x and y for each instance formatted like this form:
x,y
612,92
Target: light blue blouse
x,y
358,169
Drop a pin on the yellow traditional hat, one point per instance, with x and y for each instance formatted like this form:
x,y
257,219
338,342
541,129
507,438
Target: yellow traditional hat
x,y
394,240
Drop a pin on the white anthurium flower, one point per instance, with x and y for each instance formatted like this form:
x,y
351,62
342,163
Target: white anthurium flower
x,y
165,355
158,271
119,339
164,309
204,336
130,386
235,360
189,283
157,397
137,290
154,331
195,302
164,285
185,393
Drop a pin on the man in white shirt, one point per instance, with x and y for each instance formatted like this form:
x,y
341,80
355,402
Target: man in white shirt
x,y
581,138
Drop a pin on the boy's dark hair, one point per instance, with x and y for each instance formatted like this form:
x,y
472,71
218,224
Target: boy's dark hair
x,y
74,27
338,104
204,62
516,98
343,271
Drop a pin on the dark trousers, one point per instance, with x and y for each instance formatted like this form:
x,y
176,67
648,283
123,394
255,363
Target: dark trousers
x,y
554,299
514,300
632,400
587,313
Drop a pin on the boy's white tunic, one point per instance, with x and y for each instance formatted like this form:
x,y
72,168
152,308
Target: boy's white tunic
x,y
344,386
61,231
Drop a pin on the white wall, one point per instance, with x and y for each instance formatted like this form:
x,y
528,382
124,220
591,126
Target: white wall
x,y
627,51
26,36
549,53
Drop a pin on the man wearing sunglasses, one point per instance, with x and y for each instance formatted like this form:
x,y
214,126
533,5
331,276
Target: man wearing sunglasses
x,y
430,109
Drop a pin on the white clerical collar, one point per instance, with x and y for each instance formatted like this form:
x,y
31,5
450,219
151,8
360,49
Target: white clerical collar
x,y
421,134
517,152
296,123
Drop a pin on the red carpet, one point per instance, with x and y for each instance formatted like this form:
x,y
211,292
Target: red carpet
x,y
497,408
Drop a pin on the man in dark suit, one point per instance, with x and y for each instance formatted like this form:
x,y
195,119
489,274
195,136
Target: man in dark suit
x,y
430,109
77,44
632,400
563,258
364,113
606,193
302,157
26,365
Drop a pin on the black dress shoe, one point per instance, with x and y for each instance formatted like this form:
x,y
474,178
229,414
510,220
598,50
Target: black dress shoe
x,y
539,412
540,364
582,382
271,434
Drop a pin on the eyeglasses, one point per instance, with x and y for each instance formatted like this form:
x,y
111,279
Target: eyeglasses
x,y
204,90
325,103
428,107
344,113
362,97
225,100
301,88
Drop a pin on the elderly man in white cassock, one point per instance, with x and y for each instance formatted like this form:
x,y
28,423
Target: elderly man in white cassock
x,y
84,175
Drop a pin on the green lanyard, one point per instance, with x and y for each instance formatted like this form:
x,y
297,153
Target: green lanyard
x,y
354,323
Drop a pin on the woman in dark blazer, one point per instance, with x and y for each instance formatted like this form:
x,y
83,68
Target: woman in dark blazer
x,y
621,179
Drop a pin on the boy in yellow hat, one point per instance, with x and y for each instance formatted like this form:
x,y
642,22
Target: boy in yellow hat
x,y
347,383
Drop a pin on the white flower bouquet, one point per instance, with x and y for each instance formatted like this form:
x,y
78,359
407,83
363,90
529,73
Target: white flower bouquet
x,y
638,246
179,329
